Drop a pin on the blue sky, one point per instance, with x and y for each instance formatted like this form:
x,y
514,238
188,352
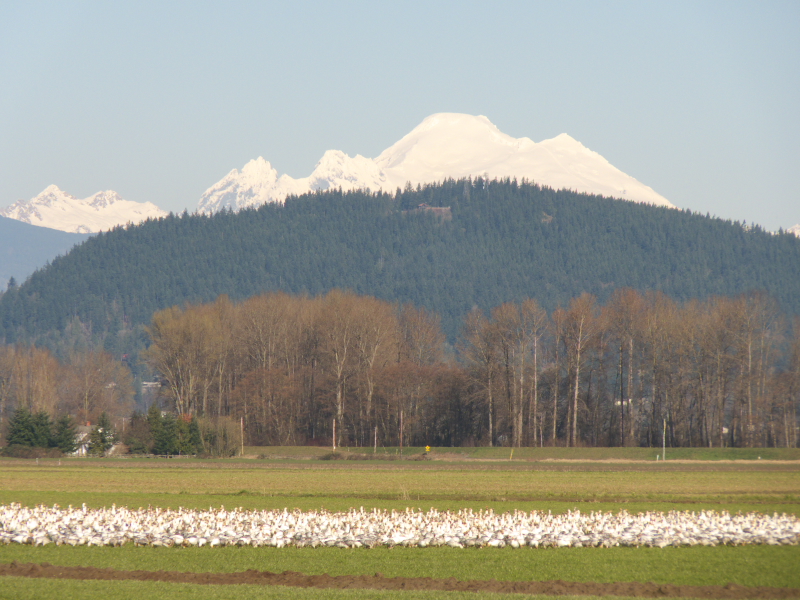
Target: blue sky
x,y
159,100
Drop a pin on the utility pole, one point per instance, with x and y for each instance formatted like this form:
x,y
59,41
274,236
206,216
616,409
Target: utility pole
x,y
401,433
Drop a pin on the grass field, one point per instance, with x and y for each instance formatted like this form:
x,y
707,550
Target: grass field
x,y
19,588
575,481
339,485
681,566
537,454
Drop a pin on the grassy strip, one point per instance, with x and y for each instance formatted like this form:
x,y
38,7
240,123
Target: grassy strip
x,y
250,501
745,565
499,486
22,588
647,454
491,484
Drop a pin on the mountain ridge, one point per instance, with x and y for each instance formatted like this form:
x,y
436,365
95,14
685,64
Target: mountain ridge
x,y
55,209
25,248
501,241
443,146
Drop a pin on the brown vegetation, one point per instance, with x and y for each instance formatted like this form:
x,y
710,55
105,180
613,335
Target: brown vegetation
x,y
84,386
640,371
724,372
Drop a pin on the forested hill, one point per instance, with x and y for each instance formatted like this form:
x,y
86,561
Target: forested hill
x,y
500,241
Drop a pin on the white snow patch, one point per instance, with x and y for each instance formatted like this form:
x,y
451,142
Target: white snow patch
x,y
102,211
444,145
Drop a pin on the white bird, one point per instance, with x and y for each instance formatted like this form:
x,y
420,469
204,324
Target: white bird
x,y
359,528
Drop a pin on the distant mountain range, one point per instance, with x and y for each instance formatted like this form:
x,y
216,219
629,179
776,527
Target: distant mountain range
x,y
448,247
102,211
445,145
25,248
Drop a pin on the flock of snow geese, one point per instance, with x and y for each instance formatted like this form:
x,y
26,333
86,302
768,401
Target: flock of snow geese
x,y
117,526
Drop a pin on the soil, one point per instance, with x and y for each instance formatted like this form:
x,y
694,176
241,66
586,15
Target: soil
x,y
379,582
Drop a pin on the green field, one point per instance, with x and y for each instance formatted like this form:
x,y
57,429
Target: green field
x,y
680,566
619,482
19,588
339,485
538,454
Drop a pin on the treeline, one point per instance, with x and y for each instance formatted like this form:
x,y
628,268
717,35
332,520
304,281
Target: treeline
x,y
721,372
506,241
85,385
44,401
28,431
167,433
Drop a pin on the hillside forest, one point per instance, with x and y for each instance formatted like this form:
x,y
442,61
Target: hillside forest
x,y
448,247
478,312
724,371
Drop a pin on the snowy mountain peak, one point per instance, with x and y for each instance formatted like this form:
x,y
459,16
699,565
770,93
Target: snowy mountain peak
x,y
48,196
57,209
443,145
105,199
252,186
445,141
337,169
258,168
455,124
795,230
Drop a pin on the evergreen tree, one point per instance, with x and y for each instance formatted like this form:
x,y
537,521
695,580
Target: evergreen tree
x,y
195,438
188,435
102,437
138,437
64,435
42,430
166,438
20,428
156,425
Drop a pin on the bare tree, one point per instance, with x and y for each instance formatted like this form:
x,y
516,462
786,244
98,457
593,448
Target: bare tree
x,y
581,327
95,383
479,350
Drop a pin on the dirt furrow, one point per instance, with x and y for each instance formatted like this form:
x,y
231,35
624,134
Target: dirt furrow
x,y
379,582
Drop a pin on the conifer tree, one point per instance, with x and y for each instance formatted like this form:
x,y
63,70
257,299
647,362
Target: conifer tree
x,y
20,428
102,437
166,437
64,435
42,430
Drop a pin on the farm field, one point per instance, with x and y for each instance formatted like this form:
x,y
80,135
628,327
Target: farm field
x,y
447,485
540,454
18,588
559,484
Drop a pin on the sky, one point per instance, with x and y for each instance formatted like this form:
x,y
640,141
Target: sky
x,y
159,100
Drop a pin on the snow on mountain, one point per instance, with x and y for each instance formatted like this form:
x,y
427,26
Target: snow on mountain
x,y
56,209
795,230
443,145
258,182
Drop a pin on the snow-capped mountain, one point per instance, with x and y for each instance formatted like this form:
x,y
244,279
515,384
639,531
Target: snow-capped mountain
x,y
443,145
56,209
795,230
